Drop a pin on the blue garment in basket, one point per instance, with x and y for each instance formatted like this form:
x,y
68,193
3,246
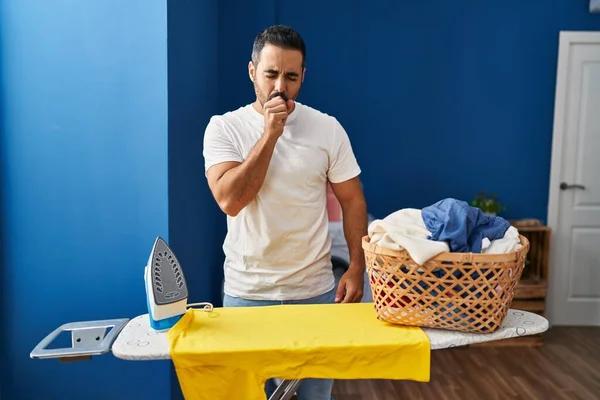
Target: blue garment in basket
x,y
462,226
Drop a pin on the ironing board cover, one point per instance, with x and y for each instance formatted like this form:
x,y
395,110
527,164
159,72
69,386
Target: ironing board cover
x,y
139,342
229,353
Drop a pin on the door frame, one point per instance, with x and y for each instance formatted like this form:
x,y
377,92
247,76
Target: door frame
x,y
559,135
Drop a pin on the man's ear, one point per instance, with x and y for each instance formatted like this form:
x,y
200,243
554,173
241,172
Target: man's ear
x,y
303,73
251,71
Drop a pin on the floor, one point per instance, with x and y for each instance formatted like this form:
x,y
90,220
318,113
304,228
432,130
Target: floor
x,y
566,367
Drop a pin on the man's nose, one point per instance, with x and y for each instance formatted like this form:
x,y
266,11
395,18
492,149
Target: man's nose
x,y
280,84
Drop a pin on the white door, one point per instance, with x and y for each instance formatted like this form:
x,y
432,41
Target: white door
x,y
574,200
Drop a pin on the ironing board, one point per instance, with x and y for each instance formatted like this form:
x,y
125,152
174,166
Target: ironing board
x,y
134,339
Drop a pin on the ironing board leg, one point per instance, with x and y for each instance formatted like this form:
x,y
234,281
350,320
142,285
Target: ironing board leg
x,y
285,390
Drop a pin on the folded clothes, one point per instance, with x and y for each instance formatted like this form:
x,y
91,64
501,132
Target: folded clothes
x,y
449,225
405,229
462,226
508,243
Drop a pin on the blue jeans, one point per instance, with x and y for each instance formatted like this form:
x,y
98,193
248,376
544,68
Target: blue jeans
x,y
309,389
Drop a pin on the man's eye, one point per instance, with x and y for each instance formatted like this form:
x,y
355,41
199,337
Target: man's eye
x,y
271,76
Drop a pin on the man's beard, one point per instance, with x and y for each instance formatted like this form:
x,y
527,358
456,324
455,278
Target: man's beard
x,y
262,98
280,94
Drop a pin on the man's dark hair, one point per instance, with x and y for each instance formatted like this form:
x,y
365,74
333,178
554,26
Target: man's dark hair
x,y
280,36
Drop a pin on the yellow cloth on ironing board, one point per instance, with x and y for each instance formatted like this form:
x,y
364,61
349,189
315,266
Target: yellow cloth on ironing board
x,y
229,353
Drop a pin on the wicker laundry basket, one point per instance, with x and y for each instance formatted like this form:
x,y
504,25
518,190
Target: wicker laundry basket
x,y
465,292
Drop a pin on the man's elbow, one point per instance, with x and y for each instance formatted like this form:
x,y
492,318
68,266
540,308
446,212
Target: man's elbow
x,y
225,202
229,207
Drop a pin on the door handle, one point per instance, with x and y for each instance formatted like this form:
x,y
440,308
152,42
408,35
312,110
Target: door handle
x,y
565,186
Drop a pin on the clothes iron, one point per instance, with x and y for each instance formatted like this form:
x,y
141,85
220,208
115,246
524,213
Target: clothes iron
x,y
166,289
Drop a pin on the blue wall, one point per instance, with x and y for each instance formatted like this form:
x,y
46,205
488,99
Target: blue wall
x,y
196,225
84,176
3,312
102,143
239,22
195,221
440,99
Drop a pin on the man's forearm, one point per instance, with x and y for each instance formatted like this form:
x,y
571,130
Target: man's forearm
x,y
355,227
240,185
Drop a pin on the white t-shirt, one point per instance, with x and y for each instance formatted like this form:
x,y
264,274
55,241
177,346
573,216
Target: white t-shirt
x,y
278,246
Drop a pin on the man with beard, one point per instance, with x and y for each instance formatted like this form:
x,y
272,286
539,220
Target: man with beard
x,y
268,165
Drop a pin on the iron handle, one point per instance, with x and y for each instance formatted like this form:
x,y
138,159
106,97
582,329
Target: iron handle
x,y
565,186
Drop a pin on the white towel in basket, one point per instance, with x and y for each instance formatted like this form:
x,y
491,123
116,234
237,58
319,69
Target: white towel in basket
x,y
510,242
405,229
